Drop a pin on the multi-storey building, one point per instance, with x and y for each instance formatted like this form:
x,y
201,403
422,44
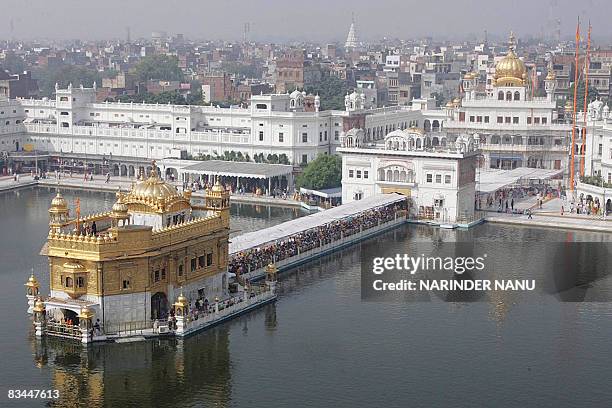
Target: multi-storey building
x,y
272,124
11,125
514,128
439,177
593,153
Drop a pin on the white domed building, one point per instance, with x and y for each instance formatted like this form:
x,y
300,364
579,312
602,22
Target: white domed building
x,y
515,128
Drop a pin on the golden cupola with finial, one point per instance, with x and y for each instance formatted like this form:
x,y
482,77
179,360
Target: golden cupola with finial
x,y
58,212
154,195
218,199
510,70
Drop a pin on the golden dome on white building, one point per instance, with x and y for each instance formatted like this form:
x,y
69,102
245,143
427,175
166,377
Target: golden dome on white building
x,y
511,70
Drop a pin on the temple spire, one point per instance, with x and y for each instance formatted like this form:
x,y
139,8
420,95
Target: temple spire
x,y
351,39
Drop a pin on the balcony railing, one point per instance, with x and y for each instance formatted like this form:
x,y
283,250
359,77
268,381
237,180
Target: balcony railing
x,y
63,330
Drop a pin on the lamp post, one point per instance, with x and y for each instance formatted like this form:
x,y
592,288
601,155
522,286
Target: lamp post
x,y
32,290
85,323
180,312
39,316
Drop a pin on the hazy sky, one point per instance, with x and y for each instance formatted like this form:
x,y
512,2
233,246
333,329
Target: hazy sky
x,y
317,20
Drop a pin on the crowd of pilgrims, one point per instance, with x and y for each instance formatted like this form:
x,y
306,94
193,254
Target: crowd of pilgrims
x,y
259,257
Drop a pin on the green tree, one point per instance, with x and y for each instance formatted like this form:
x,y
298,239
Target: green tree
x,y
160,67
332,90
323,172
242,70
283,159
593,93
13,63
440,100
64,75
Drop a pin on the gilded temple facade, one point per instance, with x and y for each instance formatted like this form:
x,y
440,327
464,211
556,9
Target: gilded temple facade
x,y
124,268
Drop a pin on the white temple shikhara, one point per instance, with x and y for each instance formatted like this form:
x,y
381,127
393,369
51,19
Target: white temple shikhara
x,y
352,40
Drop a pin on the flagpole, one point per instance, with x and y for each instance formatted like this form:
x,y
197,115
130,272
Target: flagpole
x,y
573,145
586,96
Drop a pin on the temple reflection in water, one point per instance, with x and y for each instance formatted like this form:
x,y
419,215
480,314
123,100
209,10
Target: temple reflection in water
x,y
146,373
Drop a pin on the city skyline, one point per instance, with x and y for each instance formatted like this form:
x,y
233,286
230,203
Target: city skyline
x,y
317,21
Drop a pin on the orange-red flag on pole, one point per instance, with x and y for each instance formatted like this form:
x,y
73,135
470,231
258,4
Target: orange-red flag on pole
x,y
77,210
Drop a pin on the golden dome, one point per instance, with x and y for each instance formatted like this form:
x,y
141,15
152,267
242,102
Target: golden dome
x,y
181,301
152,195
32,282
511,70
449,104
39,306
59,201
120,207
217,188
154,187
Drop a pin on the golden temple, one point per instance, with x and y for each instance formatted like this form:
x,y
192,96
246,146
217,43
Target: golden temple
x,y
125,267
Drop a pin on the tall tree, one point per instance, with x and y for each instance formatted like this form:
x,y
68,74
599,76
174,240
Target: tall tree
x,y
63,76
332,90
593,93
323,172
160,67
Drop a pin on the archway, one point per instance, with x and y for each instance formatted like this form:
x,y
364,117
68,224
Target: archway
x,y
123,170
171,173
159,306
435,126
427,125
131,171
608,206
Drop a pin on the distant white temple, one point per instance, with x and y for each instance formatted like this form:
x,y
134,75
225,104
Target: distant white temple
x,y
351,39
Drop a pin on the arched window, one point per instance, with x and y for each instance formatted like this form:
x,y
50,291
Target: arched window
x,y
381,174
402,177
500,95
396,175
389,175
68,282
517,96
495,139
292,103
508,96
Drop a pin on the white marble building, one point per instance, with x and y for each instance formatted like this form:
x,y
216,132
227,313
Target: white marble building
x,y
597,154
11,125
514,128
272,124
438,176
